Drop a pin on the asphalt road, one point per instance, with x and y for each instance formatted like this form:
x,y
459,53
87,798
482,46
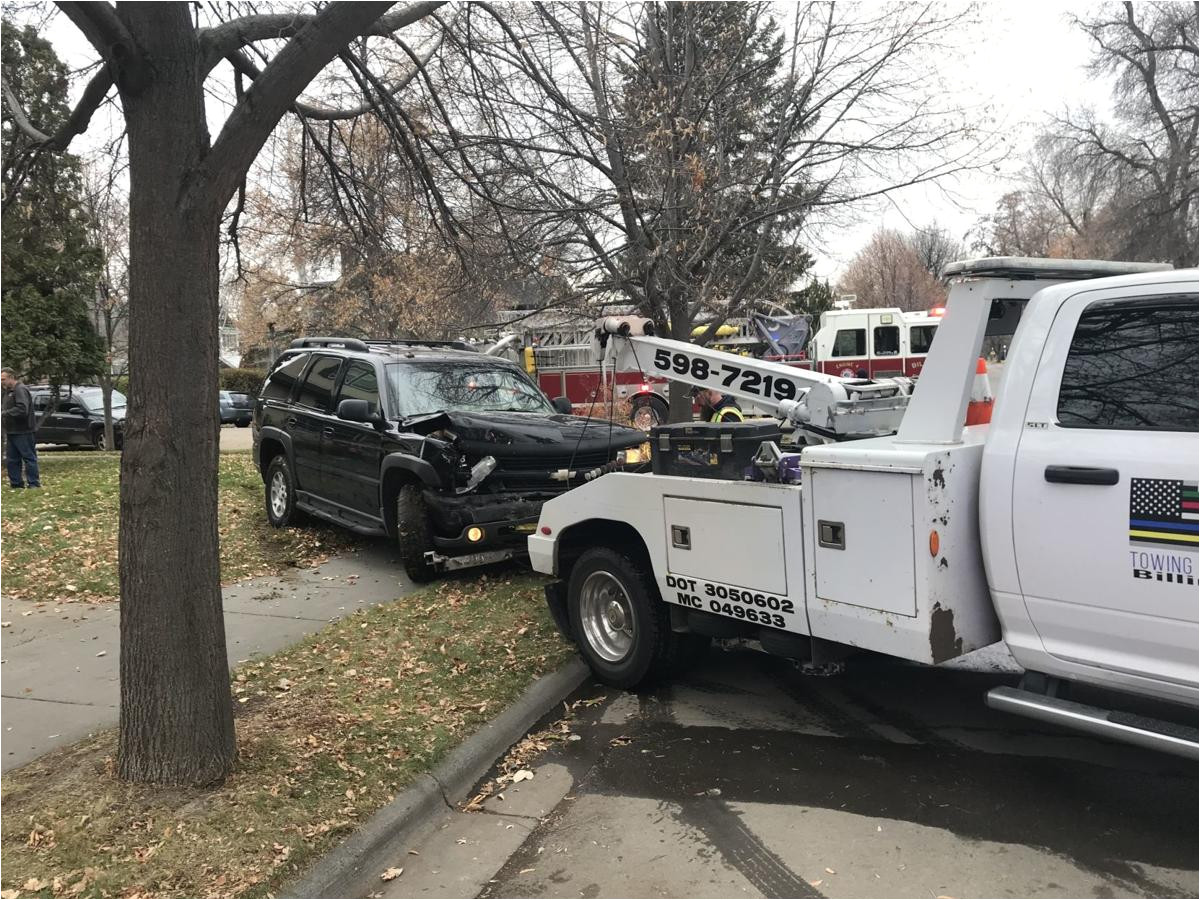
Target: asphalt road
x,y
745,778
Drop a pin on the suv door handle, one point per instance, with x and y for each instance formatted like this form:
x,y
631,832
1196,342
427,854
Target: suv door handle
x,y
327,431
1081,475
290,421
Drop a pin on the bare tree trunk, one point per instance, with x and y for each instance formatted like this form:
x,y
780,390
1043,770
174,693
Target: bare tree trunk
x,y
679,408
106,389
176,711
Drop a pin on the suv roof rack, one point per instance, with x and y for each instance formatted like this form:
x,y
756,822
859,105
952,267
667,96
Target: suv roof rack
x,y
347,343
1026,268
438,345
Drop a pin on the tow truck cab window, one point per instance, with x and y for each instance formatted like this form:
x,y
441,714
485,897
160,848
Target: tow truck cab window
x,y
317,390
850,342
1132,367
360,383
886,340
280,383
920,338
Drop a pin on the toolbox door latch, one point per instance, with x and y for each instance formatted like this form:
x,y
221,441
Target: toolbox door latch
x,y
831,534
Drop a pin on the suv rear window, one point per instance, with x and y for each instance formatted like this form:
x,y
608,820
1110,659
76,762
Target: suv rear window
x,y
280,383
1132,367
317,390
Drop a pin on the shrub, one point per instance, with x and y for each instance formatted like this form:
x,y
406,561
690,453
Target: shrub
x,y
243,381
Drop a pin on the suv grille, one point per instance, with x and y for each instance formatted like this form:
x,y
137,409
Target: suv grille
x,y
582,460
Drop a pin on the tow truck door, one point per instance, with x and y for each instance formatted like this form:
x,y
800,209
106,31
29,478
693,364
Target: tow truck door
x,y
1104,496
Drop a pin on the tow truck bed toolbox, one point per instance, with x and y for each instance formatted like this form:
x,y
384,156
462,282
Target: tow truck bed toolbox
x,y
709,449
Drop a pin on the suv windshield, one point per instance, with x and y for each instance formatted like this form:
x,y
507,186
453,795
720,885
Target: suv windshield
x,y
462,387
93,398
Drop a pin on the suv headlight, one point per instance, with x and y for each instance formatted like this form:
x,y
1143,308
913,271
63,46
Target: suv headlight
x,y
635,455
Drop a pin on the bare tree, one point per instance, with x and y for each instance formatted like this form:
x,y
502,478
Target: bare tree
x,y
935,247
351,248
679,150
108,224
1129,187
900,270
176,722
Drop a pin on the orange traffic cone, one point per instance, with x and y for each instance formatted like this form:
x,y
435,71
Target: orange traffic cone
x,y
979,410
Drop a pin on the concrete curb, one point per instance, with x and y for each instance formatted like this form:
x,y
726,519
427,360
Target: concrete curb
x,y
352,868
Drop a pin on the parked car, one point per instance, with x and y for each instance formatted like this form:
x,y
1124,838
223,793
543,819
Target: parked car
x,y
448,451
78,417
236,409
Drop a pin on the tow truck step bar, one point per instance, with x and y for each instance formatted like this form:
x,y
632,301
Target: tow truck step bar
x,y
1154,734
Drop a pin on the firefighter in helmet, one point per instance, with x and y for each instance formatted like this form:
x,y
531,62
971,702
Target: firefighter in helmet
x,y
716,407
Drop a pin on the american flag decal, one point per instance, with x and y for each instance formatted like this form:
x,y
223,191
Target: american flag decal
x,y
1163,511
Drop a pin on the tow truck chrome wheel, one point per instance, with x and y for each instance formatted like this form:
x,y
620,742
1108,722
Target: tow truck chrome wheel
x,y
606,615
279,494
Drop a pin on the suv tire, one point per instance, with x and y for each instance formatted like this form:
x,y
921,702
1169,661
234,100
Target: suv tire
x,y
622,627
98,442
413,533
280,493
648,411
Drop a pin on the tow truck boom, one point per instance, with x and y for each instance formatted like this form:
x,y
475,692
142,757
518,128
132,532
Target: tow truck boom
x,y
826,407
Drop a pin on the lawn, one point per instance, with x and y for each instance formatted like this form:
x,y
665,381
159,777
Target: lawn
x,y
328,731
60,543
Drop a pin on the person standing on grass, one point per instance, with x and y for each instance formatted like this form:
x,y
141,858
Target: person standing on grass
x,y
20,423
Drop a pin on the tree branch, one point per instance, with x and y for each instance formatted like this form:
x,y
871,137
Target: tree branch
x,y
219,41
274,92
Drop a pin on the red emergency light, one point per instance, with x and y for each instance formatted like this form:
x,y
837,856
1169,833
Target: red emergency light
x,y
937,311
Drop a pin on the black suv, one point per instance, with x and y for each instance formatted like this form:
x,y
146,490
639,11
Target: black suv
x,y
78,417
449,451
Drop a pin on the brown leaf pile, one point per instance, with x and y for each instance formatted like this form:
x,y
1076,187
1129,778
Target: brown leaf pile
x,y
328,732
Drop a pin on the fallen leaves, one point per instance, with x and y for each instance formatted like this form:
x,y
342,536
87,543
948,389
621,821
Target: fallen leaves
x,y
74,517
315,760
392,873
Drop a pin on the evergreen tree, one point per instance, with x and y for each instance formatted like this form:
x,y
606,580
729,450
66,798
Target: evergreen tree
x,y
701,106
813,300
49,265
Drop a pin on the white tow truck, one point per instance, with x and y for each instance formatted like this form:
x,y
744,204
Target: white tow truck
x,y
1066,527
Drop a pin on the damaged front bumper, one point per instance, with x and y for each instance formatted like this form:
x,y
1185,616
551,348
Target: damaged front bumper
x,y
477,522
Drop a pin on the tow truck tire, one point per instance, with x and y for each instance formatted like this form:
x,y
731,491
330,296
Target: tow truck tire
x,y
413,533
621,626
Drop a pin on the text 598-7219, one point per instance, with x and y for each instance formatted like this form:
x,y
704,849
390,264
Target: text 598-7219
x,y
726,375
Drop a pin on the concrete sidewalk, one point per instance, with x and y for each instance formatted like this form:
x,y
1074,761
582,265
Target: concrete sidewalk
x,y
59,664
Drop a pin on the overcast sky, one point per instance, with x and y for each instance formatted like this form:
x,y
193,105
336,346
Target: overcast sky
x,y
1024,59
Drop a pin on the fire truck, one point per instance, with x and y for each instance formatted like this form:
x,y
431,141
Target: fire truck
x,y
874,343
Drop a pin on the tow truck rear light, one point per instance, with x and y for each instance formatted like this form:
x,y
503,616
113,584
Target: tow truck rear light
x,y
545,529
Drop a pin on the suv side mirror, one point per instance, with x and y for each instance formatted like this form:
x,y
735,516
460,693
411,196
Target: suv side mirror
x,y
354,411
562,405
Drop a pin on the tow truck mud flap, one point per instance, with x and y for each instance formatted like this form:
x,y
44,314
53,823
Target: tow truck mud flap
x,y
556,601
1154,734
